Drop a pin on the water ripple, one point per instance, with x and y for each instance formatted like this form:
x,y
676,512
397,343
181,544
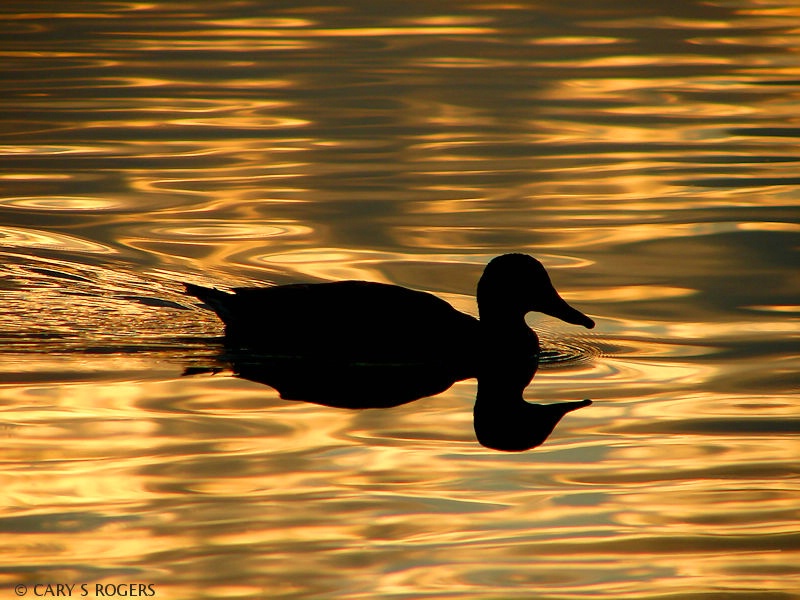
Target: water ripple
x,y
18,237
62,203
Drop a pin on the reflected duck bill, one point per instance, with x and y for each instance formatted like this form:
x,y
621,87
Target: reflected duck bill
x,y
570,406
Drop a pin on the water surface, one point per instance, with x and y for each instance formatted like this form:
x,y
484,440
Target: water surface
x,y
646,153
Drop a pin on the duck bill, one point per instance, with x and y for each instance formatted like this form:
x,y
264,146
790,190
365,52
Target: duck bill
x,y
561,310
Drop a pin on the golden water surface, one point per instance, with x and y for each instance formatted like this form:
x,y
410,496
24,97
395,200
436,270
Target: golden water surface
x,y
645,152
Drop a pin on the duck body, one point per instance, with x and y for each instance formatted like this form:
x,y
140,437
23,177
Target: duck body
x,y
345,321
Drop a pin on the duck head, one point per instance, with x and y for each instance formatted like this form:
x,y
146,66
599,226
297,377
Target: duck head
x,y
515,284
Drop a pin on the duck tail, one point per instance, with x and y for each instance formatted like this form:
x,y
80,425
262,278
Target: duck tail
x,y
215,299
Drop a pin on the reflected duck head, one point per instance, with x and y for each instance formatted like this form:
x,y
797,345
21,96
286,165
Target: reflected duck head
x,y
519,425
515,284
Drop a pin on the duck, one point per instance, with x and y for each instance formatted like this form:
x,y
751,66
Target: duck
x,y
369,322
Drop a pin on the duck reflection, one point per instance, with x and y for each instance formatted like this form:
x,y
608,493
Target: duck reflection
x,y
357,344
343,383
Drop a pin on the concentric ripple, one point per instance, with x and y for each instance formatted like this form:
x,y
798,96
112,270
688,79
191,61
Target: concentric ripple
x,y
563,349
568,352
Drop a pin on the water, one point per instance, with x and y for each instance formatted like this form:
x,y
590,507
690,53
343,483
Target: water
x,y
645,152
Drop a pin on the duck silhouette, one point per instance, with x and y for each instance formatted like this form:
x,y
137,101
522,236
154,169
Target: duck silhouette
x,y
376,322
358,344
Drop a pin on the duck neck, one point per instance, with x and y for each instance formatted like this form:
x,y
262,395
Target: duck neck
x,y
501,317
507,329
508,353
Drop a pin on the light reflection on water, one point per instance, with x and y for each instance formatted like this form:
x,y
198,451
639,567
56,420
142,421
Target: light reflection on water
x,y
646,154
